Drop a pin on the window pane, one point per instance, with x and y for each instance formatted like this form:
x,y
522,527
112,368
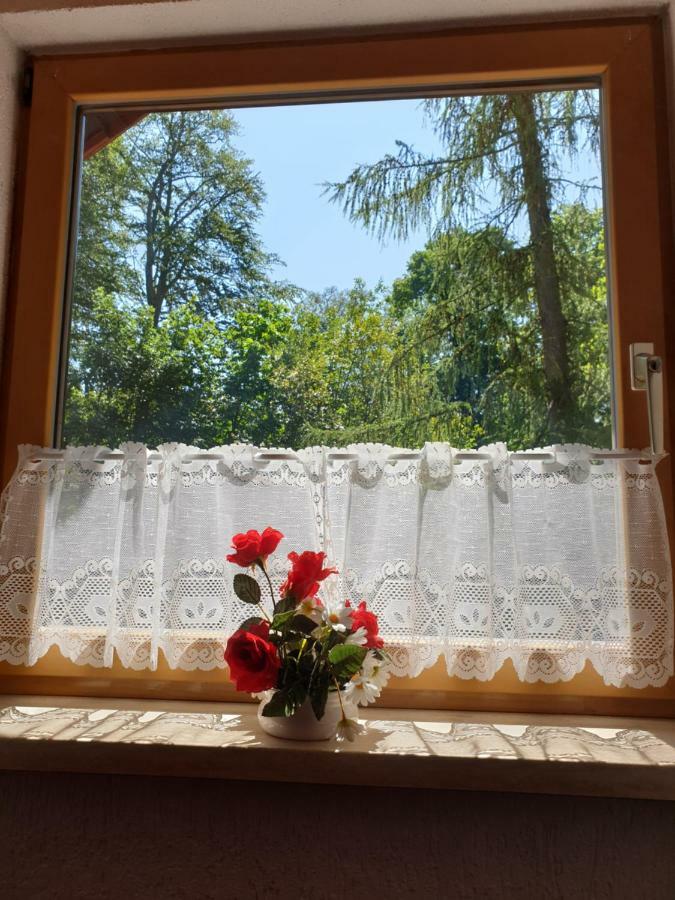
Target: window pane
x,y
395,270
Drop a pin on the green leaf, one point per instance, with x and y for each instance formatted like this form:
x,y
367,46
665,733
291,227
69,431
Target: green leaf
x,y
297,694
281,619
333,638
276,705
318,690
303,624
246,588
285,605
247,624
286,701
346,659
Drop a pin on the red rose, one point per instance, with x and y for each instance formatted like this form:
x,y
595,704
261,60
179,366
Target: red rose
x,y
253,660
254,548
363,618
306,572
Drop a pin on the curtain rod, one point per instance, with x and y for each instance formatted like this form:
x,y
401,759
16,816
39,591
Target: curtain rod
x,y
348,456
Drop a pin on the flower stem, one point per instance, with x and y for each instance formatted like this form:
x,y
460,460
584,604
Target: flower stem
x,y
339,693
270,585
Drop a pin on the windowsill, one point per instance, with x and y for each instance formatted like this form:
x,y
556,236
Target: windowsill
x,y
577,755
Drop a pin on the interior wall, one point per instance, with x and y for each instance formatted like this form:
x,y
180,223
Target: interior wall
x,y
66,837
40,25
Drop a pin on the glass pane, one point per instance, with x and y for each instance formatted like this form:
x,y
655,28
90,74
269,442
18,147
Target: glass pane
x,y
395,270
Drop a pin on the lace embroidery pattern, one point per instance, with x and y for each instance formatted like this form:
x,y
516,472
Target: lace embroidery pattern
x,y
550,563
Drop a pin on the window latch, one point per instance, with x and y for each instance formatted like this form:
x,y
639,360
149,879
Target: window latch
x,y
646,375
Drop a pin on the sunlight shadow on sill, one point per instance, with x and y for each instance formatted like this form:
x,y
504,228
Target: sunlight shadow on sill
x,y
652,744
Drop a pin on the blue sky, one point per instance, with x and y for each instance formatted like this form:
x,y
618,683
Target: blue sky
x,y
297,148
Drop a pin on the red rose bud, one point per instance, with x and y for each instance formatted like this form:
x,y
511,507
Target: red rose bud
x,y
306,572
363,618
251,548
253,660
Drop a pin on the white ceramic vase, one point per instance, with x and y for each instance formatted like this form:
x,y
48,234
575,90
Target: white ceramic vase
x,y
303,725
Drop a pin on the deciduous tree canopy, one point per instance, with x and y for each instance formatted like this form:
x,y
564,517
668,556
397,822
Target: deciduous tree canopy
x,y
497,330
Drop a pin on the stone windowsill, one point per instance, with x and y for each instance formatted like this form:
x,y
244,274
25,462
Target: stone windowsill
x,y
593,756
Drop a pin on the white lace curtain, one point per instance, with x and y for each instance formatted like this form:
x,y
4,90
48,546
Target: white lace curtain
x,y
549,559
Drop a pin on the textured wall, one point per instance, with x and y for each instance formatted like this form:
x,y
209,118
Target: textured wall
x,y
45,24
110,837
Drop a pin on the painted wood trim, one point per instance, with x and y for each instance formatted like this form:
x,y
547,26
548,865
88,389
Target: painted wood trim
x,y
626,55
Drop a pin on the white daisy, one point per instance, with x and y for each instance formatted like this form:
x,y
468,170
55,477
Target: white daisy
x,y
361,690
338,616
348,729
376,670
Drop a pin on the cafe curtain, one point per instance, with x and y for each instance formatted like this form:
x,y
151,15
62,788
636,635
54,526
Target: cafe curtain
x,y
551,558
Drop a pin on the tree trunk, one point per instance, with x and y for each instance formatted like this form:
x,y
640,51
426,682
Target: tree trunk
x,y
155,264
546,281
151,293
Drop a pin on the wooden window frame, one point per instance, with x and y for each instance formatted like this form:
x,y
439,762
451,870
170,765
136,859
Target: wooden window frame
x,y
627,58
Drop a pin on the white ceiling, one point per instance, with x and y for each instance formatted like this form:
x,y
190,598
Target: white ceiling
x,y
190,21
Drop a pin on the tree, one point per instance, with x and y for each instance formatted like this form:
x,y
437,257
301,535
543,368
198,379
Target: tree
x,y
334,377
328,373
467,317
256,341
192,207
175,200
144,382
166,240
104,244
206,350
502,165
468,310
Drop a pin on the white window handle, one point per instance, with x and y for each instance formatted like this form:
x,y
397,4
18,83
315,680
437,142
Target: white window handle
x,y
646,375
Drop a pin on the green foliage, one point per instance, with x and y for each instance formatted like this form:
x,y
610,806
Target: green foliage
x,y
580,240
285,702
346,660
501,170
332,362
255,342
104,241
132,380
286,604
478,181
246,588
282,619
319,686
469,314
178,334
251,622
192,206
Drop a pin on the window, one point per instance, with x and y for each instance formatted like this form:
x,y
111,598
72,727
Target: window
x,y
227,288
525,67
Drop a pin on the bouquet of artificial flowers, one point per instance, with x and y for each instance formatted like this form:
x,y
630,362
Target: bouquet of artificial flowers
x,y
299,646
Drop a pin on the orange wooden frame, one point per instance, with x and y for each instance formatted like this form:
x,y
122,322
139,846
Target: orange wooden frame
x,y
625,56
